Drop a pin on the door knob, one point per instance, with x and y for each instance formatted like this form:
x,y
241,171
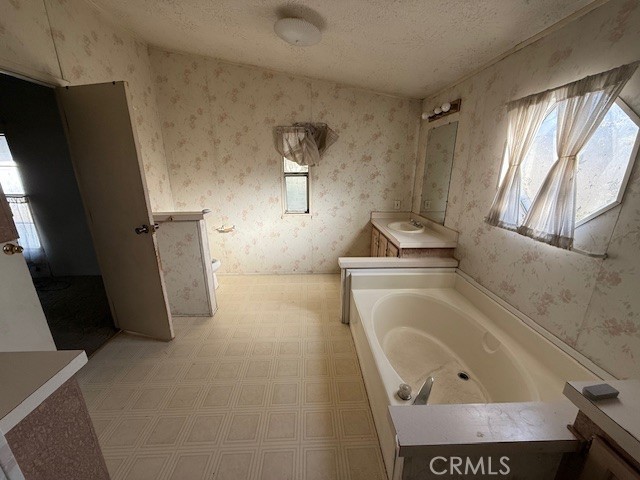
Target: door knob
x,y
10,249
142,229
146,228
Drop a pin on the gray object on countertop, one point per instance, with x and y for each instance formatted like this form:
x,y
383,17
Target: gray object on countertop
x,y
602,391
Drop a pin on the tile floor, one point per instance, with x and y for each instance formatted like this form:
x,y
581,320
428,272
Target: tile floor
x,y
270,388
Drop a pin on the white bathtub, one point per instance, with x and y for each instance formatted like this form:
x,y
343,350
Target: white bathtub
x,y
409,326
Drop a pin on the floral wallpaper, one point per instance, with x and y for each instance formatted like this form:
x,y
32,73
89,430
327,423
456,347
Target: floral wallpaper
x,y
590,304
181,244
90,49
217,124
205,134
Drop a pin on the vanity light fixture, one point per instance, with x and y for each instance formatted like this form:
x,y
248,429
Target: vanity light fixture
x,y
297,32
443,110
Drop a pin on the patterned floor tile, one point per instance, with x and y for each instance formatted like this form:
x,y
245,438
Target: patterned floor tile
x,y
269,388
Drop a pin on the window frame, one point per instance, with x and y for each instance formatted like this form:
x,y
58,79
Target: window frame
x,y
625,179
284,176
627,174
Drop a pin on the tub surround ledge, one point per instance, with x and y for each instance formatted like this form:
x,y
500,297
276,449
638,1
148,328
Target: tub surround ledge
x,y
618,418
484,429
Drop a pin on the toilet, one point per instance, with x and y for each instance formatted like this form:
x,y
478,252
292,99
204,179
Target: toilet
x,y
215,265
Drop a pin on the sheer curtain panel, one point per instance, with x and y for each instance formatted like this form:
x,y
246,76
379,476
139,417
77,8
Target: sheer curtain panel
x,y
581,107
304,143
524,119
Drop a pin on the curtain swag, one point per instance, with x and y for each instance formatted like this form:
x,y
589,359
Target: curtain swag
x,y
581,107
304,143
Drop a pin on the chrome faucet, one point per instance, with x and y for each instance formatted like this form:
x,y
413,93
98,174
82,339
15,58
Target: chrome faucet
x,y
423,395
415,223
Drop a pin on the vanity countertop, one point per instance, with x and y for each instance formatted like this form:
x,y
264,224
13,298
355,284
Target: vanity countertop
x,y
430,238
618,417
28,378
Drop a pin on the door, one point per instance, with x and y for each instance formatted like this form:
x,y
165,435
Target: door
x,y
375,238
382,246
106,159
23,326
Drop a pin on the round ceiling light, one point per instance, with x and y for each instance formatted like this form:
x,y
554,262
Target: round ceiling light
x,y
297,31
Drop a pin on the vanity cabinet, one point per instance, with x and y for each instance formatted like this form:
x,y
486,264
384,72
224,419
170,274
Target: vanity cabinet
x,y
375,241
381,246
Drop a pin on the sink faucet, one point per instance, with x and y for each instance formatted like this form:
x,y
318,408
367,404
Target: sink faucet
x,y
415,223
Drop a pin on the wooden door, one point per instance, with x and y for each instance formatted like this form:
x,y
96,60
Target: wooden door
x,y
106,159
375,238
392,250
382,246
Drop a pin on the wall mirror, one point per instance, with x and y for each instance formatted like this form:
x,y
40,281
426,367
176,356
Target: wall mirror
x,y
441,142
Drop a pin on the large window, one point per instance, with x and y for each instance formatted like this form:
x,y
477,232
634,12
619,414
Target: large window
x,y
296,187
604,165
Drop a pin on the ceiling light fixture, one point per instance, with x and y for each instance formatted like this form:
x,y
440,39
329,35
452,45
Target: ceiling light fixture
x,y
443,110
297,32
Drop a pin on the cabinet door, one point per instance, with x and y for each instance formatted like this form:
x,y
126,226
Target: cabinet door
x,y
382,246
604,463
375,238
392,250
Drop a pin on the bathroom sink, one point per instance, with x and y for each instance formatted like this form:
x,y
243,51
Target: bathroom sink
x,y
405,227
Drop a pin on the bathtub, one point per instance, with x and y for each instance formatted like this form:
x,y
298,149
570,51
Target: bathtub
x,y
409,326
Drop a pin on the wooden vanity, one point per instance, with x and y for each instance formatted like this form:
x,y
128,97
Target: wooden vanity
x,y
435,241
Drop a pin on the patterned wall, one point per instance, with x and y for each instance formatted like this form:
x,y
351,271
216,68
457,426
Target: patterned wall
x,y
217,124
90,49
592,305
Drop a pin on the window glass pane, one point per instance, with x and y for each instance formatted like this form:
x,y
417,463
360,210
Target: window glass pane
x,y
293,167
9,176
296,194
604,162
10,181
5,153
23,219
539,159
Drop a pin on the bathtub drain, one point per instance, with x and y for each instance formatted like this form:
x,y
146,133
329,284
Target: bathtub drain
x,y
463,376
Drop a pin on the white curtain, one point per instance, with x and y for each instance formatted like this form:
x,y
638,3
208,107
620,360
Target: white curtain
x,y
581,107
524,119
28,235
304,143
297,145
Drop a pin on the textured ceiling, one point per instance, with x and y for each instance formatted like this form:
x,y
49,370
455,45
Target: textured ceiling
x,y
405,47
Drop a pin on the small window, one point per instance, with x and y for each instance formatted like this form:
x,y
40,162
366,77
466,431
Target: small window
x,y
604,165
296,187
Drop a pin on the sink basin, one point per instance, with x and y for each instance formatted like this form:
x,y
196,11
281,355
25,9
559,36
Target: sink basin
x,y
405,227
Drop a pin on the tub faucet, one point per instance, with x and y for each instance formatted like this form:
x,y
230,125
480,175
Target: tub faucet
x,y
404,391
423,396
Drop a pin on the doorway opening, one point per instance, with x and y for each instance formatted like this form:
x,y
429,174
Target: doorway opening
x,y
39,182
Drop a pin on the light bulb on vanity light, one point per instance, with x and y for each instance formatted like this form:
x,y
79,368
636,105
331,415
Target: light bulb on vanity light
x,y
437,110
446,107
